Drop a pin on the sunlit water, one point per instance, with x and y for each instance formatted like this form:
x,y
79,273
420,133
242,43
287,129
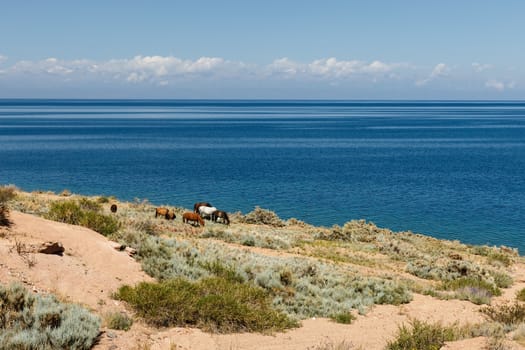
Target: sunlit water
x,y
453,170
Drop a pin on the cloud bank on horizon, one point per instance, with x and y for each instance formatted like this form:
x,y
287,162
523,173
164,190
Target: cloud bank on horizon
x,y
218,77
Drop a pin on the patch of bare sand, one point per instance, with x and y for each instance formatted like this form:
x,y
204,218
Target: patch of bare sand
x,y
90,270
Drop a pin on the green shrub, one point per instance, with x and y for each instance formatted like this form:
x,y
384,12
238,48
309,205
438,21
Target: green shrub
x,y
103,199
473,289
421,336
103,224
519,334
119,321
213,304
71,212
89,205
510,315
520,295
29,321
502,280
343,317
68,212
7,193
249,242
220,270
264,217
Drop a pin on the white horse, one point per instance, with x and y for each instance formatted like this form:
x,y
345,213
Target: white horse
x,y
206,212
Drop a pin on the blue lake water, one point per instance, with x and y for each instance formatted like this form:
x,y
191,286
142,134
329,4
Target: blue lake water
x,y
450,169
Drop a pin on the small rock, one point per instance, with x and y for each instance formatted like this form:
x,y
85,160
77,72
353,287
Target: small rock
x,y
118,246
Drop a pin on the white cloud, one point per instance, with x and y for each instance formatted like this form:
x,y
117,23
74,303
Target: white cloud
x,y
440,70
157,69
134,70
479,67
2,58
499,85
175,72
329,68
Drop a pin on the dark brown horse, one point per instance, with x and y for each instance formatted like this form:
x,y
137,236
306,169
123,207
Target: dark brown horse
x,y
221,214
200,204
113,208
193,217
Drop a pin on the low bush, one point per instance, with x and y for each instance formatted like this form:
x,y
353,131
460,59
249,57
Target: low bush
x,y
510,315
7,193
84,214
330,345
343,317
89,205
264,217
473,289
103,224
213,304
103,199
422,336
519,334
502,280
68,212
520,295
220,270
29,321
119,321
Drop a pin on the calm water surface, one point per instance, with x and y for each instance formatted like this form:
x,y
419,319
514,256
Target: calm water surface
x,y
453,170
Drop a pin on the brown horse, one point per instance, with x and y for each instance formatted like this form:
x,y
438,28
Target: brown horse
x,y
168,214
221,214
200,204
193,217
113,208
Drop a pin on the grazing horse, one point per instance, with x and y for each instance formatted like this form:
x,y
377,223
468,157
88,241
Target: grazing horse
x,y
207,212
193,217
221,214
113,208
200,204
168,214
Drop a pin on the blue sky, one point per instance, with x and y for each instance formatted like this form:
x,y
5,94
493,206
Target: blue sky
x,y
263,49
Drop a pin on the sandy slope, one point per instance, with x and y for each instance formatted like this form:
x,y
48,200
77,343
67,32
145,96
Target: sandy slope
x,y
90,270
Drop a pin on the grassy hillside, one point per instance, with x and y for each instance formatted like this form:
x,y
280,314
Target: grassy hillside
x,y
264,274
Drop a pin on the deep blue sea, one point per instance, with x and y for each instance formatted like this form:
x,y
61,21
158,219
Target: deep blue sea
x,y
450,169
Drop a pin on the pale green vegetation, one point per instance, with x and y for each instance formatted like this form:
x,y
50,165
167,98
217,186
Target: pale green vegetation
x,y
521,295
216,304
301,270
118,320
29,321
83,212
422,335
330,345
7,193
